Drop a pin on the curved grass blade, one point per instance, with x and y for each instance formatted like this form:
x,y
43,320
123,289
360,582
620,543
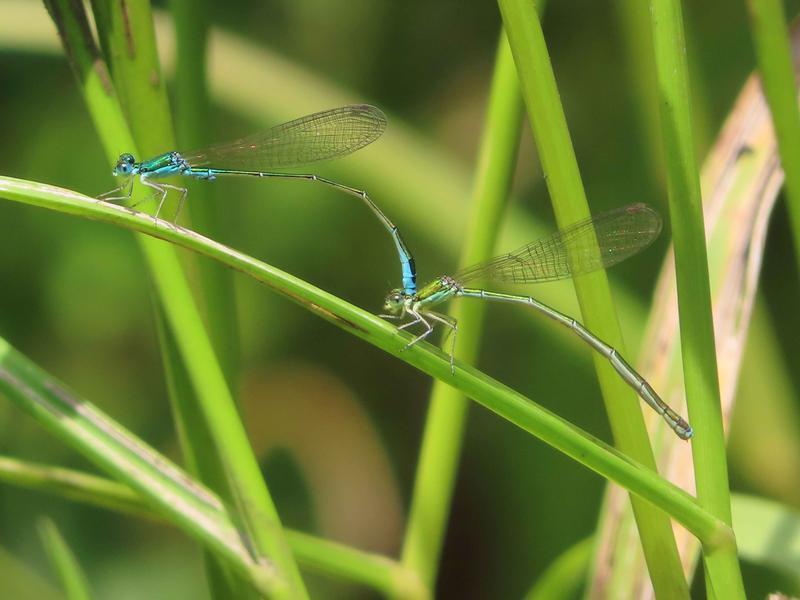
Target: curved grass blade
x,y
489,393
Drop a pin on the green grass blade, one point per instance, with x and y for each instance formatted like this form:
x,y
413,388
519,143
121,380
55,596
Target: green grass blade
x,y
239,71
560,167
694,297
128,38
447,414
563,578
336,560
193,123
245,487
241,469
387,576
73,485
197,448
194,129
741,179
488,392
73,580
774,54
116,451
633,19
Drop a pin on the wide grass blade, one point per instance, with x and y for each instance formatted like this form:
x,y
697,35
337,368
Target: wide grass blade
x,y
698,351
560,167
741,180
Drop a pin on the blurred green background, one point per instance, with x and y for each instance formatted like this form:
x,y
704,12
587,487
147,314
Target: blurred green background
x,y
336,422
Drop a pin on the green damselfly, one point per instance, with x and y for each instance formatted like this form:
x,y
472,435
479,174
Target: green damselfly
x,y
586,246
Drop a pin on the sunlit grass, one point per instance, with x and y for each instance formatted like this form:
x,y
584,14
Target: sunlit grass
x,y
426,191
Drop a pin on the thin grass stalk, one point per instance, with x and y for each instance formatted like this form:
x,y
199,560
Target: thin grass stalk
x,y
330,558
560,167
723,575
632,18
774,54
194,126
447,414
73,580
73,485
216,284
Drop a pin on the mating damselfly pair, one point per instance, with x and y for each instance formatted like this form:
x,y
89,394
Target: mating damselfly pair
x,y
586,246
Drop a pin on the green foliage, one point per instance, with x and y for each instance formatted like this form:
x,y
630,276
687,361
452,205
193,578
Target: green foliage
x,y
723,576
560,166
447,414
72,578
183,349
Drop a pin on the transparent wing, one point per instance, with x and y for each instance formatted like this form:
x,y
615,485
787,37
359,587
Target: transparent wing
x,y
322,136
619,234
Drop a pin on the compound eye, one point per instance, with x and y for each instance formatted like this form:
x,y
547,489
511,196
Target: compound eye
x,y
125,164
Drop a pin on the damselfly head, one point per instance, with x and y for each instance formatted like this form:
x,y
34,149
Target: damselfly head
x,y
124,166
394,302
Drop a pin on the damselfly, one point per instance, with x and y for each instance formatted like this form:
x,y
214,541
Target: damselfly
x,y
589,245
321,136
